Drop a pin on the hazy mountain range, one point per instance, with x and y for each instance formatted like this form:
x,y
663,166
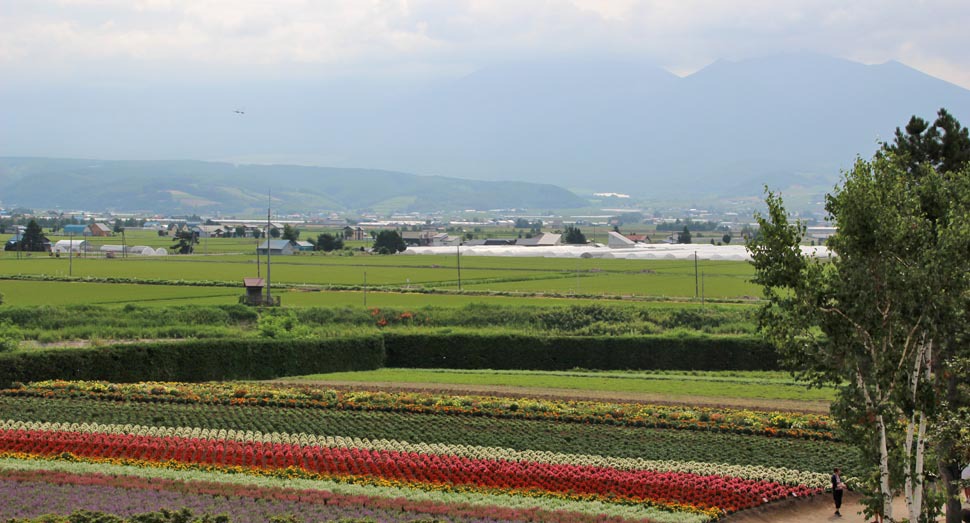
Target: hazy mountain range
x,y
176,186
587,125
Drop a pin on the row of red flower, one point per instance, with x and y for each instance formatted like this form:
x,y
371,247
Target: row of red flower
x,y
662,488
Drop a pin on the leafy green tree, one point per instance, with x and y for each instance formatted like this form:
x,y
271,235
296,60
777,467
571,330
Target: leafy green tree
x,y
684,236
290,233
726,239
240,231
33,239
388,242
274,232
184,242
327,242
875,317
944,145
573,236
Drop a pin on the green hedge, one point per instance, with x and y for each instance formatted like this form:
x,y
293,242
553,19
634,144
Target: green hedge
x,y
195,360
543,352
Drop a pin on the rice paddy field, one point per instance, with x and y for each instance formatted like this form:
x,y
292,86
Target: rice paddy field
x,y
225,266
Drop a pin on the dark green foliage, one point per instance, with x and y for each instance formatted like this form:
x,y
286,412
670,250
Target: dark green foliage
x,y
194,360
389,242
184,242
290,233
34,239
328,242
945,145
543,352
573,236
684,236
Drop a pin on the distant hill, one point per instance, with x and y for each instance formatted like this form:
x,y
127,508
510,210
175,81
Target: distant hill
x,y
190,186
589,125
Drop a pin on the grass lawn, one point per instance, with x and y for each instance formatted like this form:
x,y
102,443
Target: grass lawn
x,y
748,385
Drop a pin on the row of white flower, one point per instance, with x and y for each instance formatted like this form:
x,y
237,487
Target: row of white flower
x,y
781,475
625,511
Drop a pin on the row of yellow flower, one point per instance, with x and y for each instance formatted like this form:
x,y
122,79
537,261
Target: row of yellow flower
x,y
786,424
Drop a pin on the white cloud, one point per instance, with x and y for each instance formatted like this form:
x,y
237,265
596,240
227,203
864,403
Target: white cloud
x,y
681,35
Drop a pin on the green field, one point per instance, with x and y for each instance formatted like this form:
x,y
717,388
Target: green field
x,y
76,293
731,384
563,277
79,293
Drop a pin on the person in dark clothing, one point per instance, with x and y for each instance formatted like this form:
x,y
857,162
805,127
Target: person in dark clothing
x,y
838,487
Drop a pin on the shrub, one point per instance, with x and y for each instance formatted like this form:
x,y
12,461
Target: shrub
x,y
10,336
466,350
194,360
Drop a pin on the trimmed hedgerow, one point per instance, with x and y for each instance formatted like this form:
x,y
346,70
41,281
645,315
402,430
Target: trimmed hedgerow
x,y
491,350
194,360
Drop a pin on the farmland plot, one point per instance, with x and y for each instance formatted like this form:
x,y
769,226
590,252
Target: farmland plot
x,y
327,454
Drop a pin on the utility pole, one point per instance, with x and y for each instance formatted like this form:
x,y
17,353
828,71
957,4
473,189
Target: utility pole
x,y
702,288
70,256
458,248
256,235
269,245
365,289
696,293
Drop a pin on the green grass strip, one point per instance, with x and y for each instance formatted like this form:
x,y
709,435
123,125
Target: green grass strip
x,y
770,385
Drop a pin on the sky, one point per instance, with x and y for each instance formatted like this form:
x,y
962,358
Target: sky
x,y
136,40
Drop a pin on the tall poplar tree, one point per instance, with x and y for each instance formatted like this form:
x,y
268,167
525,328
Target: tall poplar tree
x,y
875,317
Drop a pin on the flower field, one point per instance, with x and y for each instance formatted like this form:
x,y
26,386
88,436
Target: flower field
x,y
253,451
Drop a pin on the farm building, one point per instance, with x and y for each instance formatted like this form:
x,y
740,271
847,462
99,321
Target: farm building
x,y
277,247
304,246
425,238
144,250
489,241
543,240
134,250
209,231
71,246
354,233
77,230
618,241
99,229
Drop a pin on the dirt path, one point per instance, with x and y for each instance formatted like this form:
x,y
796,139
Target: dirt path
x,y
821,407
814,510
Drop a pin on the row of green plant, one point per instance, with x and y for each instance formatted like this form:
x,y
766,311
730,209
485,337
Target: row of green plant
x,y
488,431
194,360
52,323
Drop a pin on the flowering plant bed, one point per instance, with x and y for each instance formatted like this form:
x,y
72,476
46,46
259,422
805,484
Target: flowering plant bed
x,y
317,451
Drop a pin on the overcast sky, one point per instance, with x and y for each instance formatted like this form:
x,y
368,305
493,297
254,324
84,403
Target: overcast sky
x,y
46,40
